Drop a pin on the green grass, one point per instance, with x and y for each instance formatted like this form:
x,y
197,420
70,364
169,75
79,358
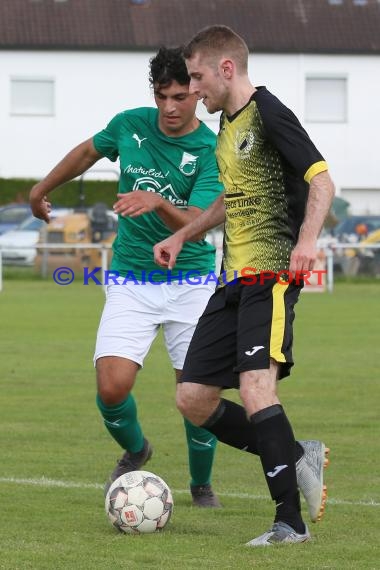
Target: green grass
x,y
56,453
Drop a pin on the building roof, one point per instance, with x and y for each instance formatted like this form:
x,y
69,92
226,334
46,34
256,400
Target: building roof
x,y
286,26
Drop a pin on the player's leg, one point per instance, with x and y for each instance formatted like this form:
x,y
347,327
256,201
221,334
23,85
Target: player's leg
x,y
201,446
270,428
126,331
181,316
264,344
201,402
115,380
231,426
276,446
209,365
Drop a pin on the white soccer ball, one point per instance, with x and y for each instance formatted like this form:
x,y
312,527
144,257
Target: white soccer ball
x,y
139,502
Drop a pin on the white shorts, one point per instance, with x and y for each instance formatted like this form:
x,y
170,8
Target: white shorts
x,y
133,314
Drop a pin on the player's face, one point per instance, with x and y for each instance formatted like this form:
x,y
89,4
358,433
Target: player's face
x,y
207,83
176,109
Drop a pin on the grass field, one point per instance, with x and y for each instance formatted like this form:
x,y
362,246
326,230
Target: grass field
x,y
55,453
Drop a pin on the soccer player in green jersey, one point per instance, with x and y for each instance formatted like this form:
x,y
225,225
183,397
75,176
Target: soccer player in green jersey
x,y
168,175
277,194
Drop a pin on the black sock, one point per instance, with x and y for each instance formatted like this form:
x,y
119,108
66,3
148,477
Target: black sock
x,y
230,424
235,429
277,448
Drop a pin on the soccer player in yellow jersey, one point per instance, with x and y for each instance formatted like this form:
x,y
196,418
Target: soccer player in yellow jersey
x,y
277,194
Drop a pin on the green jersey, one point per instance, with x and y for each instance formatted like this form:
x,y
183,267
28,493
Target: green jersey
x,y
182,170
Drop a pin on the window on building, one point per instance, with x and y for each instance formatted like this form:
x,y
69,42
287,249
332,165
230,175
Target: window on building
x,y
326,100
32,96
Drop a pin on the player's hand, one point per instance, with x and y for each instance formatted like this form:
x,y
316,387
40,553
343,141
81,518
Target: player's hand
x,y
302,258
39,204
166,251
136,203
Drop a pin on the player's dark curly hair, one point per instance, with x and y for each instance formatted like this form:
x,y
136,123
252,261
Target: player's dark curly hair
x,y
166,66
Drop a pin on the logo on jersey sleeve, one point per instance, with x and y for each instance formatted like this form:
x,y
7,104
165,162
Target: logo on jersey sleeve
x,y
188,164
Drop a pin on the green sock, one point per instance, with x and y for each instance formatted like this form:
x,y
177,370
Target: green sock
x,y
201,445
122,423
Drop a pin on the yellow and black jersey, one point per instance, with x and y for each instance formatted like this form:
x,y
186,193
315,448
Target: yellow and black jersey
x,y
266,160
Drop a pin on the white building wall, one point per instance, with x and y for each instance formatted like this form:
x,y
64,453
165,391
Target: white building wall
x,y
93,86
90,89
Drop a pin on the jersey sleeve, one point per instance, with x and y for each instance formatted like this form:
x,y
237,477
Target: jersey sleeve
x,y
106,141
287,135
207,187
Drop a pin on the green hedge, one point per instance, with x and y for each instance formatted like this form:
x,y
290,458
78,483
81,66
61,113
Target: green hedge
x,y
68,195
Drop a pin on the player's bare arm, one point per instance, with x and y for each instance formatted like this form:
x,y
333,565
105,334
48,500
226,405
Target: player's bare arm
x,y
166,251
321,194
140,202
77,161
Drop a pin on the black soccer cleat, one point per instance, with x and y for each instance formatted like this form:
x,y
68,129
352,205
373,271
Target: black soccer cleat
x,y
130,462
204,496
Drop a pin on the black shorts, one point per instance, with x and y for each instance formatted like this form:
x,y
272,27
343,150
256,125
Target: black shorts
x,y
242,327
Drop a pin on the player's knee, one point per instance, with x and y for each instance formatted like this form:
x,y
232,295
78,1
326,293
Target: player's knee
x,y
185,401
182,405
193,404
112,390
112,395
258,390
114,383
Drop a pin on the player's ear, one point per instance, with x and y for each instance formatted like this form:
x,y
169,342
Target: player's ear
x,y
226,67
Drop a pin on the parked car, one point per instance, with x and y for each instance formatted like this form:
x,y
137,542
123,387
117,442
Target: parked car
x,y
12,216
18,246
355,228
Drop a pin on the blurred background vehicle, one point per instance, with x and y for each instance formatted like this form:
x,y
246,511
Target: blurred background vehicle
x,y
67,226
12,215
81,226
355,228
18,246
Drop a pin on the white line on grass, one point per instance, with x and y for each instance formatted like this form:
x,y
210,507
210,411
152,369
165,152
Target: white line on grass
x,y
45,482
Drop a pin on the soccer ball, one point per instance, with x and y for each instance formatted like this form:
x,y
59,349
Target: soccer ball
x,y
139,502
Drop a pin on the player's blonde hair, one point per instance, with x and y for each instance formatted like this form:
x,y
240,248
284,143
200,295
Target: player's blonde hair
x,y
218,41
